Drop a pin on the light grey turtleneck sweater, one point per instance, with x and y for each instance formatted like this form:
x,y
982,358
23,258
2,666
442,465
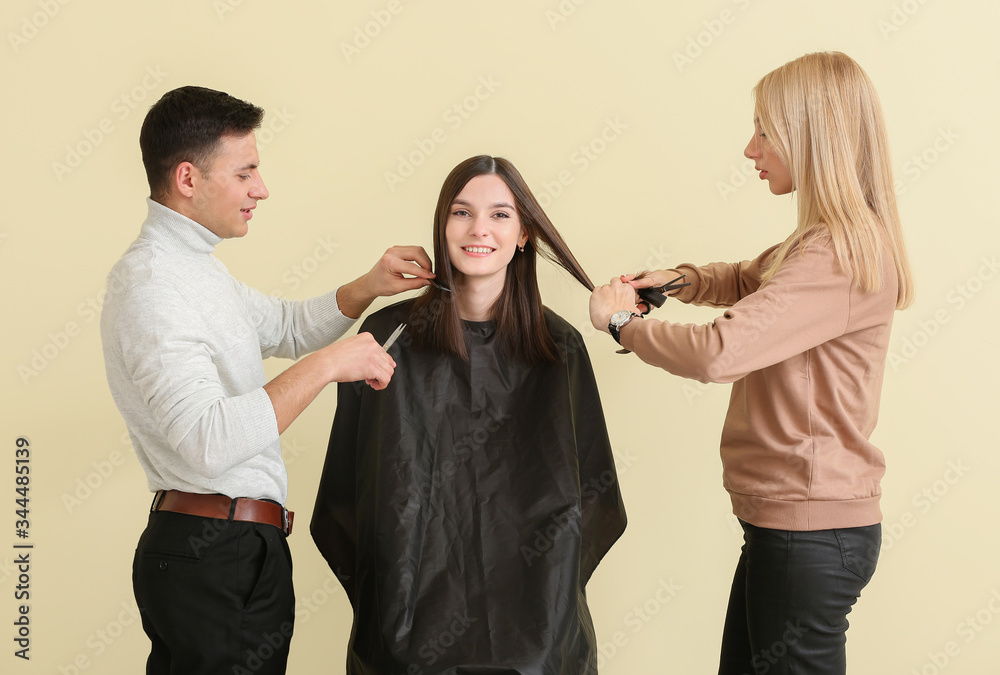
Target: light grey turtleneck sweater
x,y
183,343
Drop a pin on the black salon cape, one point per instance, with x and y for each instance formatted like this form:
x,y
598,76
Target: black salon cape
x,y
464,508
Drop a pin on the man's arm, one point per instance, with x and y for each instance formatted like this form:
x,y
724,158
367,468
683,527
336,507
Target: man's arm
x,y
356,358
401,268
349,360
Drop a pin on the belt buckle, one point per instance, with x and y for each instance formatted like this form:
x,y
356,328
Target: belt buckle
x,y
286,523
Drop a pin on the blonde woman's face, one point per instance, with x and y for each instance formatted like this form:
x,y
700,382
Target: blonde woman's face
x,y
766,161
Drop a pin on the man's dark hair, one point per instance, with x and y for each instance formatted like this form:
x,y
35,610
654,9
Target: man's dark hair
x,y
186,125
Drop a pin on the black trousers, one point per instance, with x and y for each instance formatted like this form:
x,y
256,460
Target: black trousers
x,y
790,599
215,596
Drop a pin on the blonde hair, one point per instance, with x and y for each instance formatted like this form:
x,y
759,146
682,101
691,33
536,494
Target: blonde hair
x,y
823,118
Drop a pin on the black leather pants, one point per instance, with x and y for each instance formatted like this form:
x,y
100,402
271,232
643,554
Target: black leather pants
x,y
791,596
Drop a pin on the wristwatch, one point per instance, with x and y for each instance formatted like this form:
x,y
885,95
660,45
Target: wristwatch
x,y
618,321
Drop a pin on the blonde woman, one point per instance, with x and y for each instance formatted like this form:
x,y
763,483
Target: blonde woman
x,y
804,340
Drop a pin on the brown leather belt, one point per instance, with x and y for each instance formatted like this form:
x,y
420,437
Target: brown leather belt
x,y
222,507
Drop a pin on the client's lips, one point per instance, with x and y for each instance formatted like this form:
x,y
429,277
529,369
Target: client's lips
x,y
478,250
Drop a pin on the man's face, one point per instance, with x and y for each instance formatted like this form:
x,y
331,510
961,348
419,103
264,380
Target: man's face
x,y
226,194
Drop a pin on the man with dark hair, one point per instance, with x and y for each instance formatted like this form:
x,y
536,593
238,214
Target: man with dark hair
x,y
183,343
186,125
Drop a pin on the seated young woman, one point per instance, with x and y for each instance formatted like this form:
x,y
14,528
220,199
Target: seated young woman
x,y
466,505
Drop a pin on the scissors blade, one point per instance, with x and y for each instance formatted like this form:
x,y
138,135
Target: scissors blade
x,y
392,338
672,285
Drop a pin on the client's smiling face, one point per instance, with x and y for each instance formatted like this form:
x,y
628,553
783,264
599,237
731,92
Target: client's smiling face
x,y
483,229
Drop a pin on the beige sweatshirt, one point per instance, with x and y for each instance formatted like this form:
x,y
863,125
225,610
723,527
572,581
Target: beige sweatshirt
x,y
806,353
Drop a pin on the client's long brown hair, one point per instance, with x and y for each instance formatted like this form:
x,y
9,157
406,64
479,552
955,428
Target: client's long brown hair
x,y
520,324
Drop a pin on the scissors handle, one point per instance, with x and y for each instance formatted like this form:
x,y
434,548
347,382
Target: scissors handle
x,y
654,295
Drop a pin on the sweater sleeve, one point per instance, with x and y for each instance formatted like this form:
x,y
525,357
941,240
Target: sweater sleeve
x,y
806,303
722,284
165,356
292,328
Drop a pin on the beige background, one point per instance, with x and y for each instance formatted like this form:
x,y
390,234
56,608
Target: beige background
x,y
659,95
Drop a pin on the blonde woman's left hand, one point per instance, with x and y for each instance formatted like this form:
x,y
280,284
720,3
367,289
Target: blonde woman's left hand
x,y
610,298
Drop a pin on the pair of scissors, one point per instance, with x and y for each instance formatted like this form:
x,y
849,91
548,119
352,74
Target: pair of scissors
x,y
654,295
395,335
392,338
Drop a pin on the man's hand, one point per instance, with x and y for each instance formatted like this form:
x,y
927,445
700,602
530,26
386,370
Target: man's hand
x,y
358,358
400,269
348,360
606,300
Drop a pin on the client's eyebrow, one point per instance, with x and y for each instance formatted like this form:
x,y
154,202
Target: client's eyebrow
x,y
495,205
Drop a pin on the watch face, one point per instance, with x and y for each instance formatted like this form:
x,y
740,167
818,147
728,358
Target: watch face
x,y
619,318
